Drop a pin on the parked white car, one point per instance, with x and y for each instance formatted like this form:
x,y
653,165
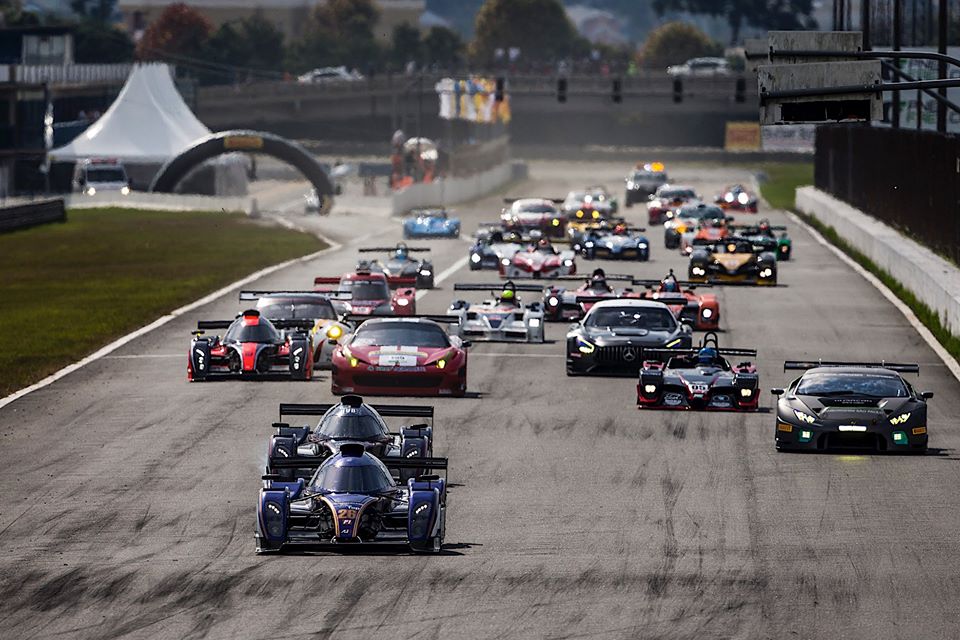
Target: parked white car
x,y
701,67
324,75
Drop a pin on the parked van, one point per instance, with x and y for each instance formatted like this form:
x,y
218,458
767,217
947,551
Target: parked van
x,y
98,175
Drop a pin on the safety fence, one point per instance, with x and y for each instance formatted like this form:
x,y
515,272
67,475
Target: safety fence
x,y
21,216
908,179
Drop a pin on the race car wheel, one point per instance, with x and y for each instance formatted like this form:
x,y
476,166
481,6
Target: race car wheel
x,y
572,372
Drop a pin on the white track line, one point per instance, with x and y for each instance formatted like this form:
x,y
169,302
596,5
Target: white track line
x,y
908,313
443,275
159,322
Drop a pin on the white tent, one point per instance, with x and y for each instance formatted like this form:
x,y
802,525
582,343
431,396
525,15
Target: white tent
x,y
147,123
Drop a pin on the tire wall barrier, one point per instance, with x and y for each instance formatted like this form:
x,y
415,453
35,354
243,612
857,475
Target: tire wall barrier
x,y
932,279
29,215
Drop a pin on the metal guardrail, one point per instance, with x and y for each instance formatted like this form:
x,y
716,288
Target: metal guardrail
x,y
66,74
29,215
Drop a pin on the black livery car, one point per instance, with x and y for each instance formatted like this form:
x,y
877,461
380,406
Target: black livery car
x,y
858,405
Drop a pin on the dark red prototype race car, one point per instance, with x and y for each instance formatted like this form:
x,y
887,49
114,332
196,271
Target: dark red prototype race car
x,y
561,304
368,293
401,357
252,346
700,311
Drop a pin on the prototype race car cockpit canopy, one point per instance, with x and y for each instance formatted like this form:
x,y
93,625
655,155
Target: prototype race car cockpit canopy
x,y
352,471
250,326
297,307
702,212
407,333
351,419
371,289
733,245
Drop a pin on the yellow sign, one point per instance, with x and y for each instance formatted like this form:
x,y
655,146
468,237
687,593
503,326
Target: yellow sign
x,y
742,136
243,142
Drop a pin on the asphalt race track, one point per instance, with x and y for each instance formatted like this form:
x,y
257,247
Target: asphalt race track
x,y
127,495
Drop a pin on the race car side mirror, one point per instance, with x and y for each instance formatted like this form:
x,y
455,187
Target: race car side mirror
x,y
466,344
777,392
926,395
686,328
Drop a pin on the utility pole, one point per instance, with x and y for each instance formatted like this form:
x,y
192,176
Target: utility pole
x,y
942,65
897,16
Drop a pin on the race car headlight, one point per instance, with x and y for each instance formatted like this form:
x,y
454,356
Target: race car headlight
x,y
402,302
534,322
707,313
630,185
426,273
505,262
555,222
743,198
124,191
553,301
475,258
273,519
595,214
746,393
441,363
91,191
641,245
766,273
649,388
568,263
804,417
728,197
698,271
334,332
584,346
784,248
590,244
900,419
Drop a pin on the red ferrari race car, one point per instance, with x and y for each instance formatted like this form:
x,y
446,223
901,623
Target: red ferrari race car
x,y
369,293
534,214
401,357
702,312
252,346
708,230
737,198
700,379
561,304
540,260
667,198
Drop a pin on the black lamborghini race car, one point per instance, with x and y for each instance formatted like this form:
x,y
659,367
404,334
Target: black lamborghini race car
x,y
858,405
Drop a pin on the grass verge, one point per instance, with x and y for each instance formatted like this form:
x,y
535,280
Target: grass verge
x,y
780,189
68,289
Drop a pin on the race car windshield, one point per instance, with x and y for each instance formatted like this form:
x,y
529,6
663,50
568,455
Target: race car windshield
x,y
366,289
536,208
106,175
352,426
852,384
677,194
734,247
260,332
652,319
411,334
649,175
282,310
368,478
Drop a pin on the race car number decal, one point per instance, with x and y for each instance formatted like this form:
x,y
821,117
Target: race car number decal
x,y
699,387
346,513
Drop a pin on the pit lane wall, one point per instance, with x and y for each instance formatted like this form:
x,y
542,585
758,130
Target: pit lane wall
x,y
453,190
932,279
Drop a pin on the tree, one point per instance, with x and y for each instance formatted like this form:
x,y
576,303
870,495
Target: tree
x,y
179,31
675,43
252,42
766,14
539,28
406,45
340,32
101,43
443,46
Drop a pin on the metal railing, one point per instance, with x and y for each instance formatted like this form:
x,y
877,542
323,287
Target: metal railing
x,y
66,74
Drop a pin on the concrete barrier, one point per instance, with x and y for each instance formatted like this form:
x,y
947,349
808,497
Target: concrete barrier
x,y
160,201
932,279
453,190
31,214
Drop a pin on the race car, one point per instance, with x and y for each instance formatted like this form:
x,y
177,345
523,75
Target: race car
x,y
764,234
401,357
401,268
614,334
707,230
701,379
539,260
592,199
644,180
733,260
503,318
368,293
289,306
352,499
737,198
561,304
430,223
686,220
622,242
667,198
350,420
252,346
861,405
700,311
493,246
533,214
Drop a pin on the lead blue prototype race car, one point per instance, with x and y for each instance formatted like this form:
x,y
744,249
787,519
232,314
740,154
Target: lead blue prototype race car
x,y
352,499
430,223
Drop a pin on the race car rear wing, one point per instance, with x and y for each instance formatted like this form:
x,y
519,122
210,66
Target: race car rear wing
x,y
312,462
385,410
553,200
752,229
616,277
596,299
203,325
497,287
293,323
320,295
359,319
659,354
803,365
683,284
326,280
386,249
670,299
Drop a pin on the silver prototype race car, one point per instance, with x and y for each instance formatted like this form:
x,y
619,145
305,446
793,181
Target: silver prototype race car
x,y
500,319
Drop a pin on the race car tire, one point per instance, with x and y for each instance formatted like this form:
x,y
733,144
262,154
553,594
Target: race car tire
x,y
572,372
